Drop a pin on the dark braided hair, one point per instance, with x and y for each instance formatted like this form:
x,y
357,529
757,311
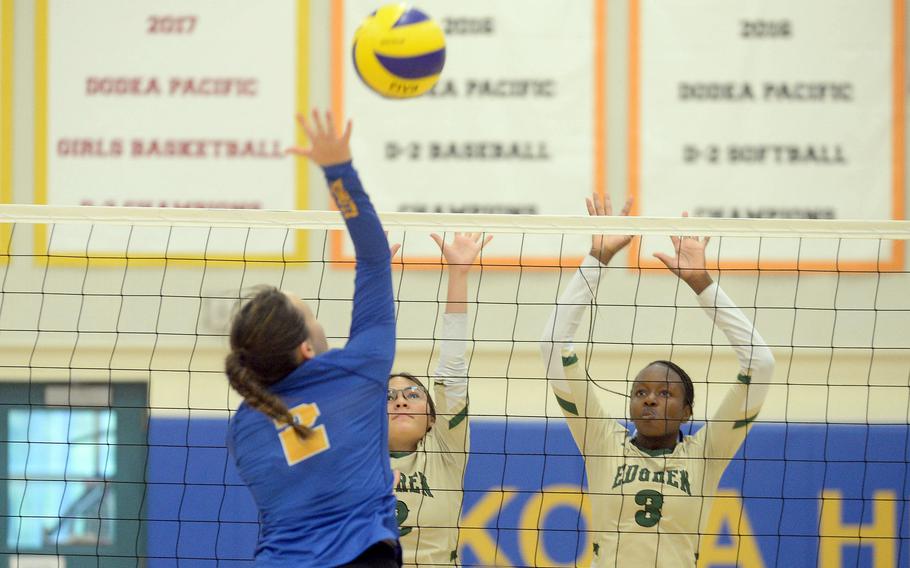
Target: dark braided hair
x,y
265,335
683,376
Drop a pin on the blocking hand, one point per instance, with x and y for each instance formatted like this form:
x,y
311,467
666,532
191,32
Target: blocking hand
x,y
326,148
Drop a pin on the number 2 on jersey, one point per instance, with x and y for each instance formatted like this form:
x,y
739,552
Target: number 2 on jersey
x,y
653,501
296,449
401,514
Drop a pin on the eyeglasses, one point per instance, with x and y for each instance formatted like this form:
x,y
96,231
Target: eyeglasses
x,y
412,393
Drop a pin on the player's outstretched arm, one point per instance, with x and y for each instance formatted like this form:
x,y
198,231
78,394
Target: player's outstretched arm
x,y
559,333
331,151
728,426
373,319
605,247
450,382
567,379
460,254
688,263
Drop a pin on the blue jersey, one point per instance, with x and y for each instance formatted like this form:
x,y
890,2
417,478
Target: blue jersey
x,y
324,500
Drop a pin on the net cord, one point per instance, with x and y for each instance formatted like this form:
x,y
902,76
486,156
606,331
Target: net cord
x,y
493,223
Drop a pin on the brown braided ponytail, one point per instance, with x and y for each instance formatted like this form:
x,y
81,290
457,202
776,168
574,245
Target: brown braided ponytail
x,y
266,334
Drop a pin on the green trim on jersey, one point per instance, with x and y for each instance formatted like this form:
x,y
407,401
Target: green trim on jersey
x,y
744,379
567,406
457,419
746,422
655,453
570,359
400,454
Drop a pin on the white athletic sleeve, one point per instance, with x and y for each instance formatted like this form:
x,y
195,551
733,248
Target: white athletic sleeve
x,y
575,394
726,429
450,385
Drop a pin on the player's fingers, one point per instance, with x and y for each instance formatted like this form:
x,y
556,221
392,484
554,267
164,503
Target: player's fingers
x,y
306,126
305,152
319,129
627,208
393,250
486,241
667,260
348,127
608,204
599,204
705,241
590,206
438,240
685,215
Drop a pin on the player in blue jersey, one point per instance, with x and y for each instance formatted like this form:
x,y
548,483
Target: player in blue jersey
x,y
311,437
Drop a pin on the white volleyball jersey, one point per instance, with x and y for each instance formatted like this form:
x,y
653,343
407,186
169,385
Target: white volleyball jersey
x,y
650,508
429,491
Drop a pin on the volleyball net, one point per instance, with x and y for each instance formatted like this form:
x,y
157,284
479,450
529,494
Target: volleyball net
x,y
114,406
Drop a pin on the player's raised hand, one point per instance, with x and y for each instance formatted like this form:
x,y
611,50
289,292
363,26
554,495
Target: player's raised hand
x,y
462,251
393,247
603,247
326,147
689,261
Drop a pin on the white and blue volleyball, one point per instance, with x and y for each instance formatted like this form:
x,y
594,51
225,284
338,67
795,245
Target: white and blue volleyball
x,y
399,51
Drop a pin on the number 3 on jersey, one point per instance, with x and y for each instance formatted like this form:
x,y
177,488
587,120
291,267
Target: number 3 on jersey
x,y
653,501
296,449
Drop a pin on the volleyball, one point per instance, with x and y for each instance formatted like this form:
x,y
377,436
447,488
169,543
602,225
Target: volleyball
x,y
399,51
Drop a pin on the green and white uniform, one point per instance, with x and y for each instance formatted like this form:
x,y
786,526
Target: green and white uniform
x,y
650,508
430,490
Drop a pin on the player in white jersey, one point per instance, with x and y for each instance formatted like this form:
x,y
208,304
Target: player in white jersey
x,y
650,491
428,439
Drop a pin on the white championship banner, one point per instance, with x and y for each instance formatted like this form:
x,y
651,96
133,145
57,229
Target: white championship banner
x,y
170,103
770,109
6,106
6,117
514,126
